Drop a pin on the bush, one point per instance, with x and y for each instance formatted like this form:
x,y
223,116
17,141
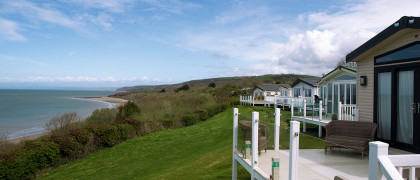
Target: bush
x,y
202,114
183,88
130,110
189,120
162,91
106,135
125,131
167,122
102,116
35,155
67,144
62,121
81,135
212,85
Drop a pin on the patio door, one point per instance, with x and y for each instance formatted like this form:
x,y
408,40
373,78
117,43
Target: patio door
x,y
398,107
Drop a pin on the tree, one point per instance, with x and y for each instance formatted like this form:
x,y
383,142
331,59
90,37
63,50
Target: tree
x,y
162,91
212,85
183,88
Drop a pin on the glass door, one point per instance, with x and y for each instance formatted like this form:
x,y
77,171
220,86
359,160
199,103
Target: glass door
x,y
405,114
383,112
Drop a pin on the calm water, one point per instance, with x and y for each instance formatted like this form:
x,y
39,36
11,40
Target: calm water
x,y
24,112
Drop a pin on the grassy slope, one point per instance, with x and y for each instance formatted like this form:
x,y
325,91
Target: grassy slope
x,y
202,151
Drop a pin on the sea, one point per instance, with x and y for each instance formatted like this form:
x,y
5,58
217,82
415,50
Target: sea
x,y
25,112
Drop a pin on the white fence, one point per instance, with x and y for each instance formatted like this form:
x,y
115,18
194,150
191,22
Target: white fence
x,y
246,100
347,112
390,166
251,165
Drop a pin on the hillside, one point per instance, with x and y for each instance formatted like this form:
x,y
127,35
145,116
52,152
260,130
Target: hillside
x,y
201,151
243,81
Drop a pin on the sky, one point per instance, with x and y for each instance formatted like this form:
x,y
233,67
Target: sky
x,y
115,43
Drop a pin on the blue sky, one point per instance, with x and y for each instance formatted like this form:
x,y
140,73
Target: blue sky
x,y
114,43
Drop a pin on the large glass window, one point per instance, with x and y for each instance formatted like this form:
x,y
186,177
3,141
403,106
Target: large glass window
x,y
353,94
335,99
285,93
403,54
405,111
384,105
329,98
348,101
342,93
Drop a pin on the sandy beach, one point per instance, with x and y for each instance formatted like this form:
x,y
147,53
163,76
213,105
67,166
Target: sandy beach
x,y
118,102
31,137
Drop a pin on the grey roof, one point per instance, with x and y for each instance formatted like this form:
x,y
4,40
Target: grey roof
x,y
285,86
268,87
310,81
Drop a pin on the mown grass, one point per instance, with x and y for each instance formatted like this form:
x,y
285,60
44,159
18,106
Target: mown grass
x,y
201,151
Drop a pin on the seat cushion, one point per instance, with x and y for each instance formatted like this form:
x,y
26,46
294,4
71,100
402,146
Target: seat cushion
x,y
357,143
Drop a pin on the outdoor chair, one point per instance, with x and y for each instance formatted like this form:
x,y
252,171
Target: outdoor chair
x,y
350,134
246,127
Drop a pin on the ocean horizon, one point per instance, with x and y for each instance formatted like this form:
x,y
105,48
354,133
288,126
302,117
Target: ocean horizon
x,y
24,112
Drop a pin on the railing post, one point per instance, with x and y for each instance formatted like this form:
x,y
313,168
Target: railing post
x,y
291,109
376,149
339,111
320,119
294,150
277,129
254,143
356,114
235,143
252,100
275,168
304,108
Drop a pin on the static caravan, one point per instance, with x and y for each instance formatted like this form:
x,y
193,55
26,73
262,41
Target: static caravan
x,y
339,85
388,83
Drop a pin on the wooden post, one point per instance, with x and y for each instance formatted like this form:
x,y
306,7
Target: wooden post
x,y
277,129
254,143
339,111
275,168
320,119
294,150
376,149
235,143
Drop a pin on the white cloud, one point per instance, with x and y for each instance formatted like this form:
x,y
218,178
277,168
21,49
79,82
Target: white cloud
x,y
71,53
109,5
9,31
310,43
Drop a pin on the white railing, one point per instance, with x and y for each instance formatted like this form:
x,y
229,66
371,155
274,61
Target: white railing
x,y
268,100
251,165
347,112
246,100
284,101
390,166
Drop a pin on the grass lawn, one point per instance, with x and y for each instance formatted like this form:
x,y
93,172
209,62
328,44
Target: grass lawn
x,y
202,151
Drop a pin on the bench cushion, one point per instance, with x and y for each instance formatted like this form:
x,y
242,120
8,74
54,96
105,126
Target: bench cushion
x,y
357,143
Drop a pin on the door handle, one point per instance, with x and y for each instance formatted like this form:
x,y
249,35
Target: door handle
x,y
418,108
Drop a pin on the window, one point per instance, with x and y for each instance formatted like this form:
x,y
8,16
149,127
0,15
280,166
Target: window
x,y
348,101
268,93
342,93
296,92
308,92
282,92
285,93
353,94
406,53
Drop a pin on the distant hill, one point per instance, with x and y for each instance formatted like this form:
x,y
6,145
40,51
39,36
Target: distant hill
x,y
242,80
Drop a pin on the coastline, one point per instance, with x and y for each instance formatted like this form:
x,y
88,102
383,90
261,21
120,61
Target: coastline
x,y
116,102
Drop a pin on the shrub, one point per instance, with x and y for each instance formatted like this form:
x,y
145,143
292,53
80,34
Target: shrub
x,y
102,116
185,87
213,110
189,120
62,121
35,155
67,144
129,110
125,131
81,135
212,85
106,135
167,122
202,114
162,91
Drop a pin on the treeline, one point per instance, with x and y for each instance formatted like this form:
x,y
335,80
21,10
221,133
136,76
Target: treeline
x,y
70,138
